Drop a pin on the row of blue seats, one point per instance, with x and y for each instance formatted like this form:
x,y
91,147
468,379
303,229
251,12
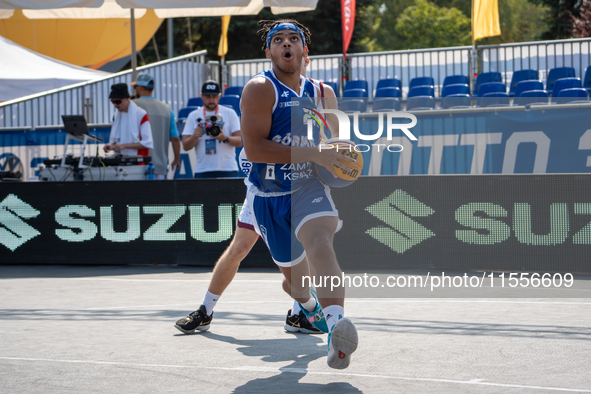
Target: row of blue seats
x,y
232,101
534,97
459,84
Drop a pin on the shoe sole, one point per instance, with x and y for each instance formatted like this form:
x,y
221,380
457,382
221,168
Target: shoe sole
x,y
293,329
343,341
188,332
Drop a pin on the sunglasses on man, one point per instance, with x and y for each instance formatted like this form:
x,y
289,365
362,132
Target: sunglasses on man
x,y
116,102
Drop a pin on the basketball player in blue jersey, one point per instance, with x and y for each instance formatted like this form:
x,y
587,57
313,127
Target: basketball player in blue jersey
x,y
293,211
243,241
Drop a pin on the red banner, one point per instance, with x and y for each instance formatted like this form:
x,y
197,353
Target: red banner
x,y
348,22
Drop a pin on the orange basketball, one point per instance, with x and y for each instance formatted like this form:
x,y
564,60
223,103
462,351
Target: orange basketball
x,y
344,177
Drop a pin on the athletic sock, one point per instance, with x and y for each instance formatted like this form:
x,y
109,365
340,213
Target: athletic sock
x,y
332,314
209,302
310,305
295,309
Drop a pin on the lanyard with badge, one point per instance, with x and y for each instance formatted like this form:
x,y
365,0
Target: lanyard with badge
x,y
210,144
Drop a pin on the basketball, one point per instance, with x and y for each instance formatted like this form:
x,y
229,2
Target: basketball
x,y
344,177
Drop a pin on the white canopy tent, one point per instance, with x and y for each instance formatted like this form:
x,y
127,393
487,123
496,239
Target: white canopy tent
x,y
60,9
24,72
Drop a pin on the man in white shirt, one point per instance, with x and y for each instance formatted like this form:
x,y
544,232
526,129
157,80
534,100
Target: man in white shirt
x,y
216,154
131,134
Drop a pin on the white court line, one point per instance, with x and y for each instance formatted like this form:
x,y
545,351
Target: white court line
x,y
476,382
349,301
156,280
354,301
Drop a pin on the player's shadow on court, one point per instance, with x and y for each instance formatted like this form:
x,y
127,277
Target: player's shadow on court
x,y
301,349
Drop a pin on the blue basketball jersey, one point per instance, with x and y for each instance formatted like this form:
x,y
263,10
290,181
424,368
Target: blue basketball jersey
x,y
293,114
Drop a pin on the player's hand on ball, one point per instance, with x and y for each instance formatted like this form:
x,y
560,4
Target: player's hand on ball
x,y
329,158
348,167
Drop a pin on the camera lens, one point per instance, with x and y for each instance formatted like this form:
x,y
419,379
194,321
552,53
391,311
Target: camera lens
x,y
214,131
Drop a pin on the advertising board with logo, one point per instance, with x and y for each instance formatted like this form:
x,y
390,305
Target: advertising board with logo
x,y
489,222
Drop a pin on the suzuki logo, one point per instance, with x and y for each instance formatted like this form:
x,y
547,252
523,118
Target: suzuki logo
x,y
15,232
396,211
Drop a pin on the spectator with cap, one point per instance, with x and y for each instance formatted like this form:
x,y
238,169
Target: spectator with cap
x,y
162,123
216,156
131,133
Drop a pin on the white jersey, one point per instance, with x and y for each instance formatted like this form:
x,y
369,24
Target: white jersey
x,y
214,155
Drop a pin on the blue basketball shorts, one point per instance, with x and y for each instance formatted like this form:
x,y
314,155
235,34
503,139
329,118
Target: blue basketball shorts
x,y
278,219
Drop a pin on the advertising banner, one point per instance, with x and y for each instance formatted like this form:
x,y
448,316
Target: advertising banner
x,y
489,222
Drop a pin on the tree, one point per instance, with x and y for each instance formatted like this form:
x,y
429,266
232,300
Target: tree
x,y
581,27
425,25
558,18
381,19
243,43
521,21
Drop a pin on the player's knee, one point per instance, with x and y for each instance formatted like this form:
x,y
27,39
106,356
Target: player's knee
x,y
240,249
318,241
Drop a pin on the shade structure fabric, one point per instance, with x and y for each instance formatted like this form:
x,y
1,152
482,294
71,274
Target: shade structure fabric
x,y
93,9
24,72
83,42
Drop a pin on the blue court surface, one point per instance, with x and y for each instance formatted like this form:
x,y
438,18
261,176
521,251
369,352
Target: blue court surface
x,y
111,330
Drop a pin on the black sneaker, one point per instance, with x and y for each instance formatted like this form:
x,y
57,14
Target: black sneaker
x,y
299,323
197,320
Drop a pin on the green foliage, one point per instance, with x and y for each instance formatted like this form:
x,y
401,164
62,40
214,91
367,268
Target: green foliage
x,y
380,25
425,25
244,43
381,19
521,21
557,19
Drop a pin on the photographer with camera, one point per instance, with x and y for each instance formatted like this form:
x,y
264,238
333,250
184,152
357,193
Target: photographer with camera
x,y
214,132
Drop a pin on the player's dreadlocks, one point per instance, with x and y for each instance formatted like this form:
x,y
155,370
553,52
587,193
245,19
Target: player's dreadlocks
x,y
267,25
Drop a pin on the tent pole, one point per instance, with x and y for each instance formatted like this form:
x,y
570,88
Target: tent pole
x,y
170,39
133,48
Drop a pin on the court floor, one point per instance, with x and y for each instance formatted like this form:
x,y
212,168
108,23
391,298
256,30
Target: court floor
x,y
110,330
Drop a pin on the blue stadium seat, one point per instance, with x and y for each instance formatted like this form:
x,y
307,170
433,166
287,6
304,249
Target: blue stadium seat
x,y
184,113
420,103
524,86
195,102
421,81
530,97
422,90
388,92
522,75
587,79
488,77
491,87
334,86
355,93
232,101
455,79
493,99
386,104
358,84
572,95
456,88
233,91
456,101
558,73
565,83
389,83
353,105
